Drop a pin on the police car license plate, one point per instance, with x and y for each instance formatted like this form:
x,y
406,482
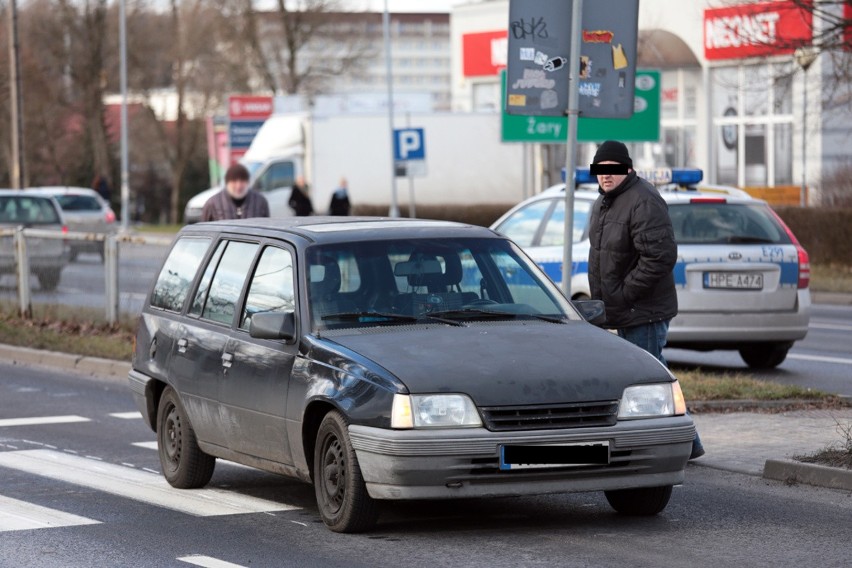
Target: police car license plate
x,y
564,455
734,280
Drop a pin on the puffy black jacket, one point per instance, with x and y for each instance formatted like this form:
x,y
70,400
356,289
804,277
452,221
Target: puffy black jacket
x,y
632,254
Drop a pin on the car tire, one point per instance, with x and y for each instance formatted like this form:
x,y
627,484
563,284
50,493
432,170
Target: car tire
x,y
184,465
642,502
765,355
342,498
48,278
72,255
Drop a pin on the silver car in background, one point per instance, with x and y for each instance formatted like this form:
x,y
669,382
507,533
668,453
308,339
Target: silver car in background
x,y
85,211
31,210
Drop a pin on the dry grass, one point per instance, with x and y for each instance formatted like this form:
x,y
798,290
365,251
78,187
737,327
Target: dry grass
x,y
700,385
839,455
831,278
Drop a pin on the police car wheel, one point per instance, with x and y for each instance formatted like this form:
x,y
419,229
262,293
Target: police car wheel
x,y
765,355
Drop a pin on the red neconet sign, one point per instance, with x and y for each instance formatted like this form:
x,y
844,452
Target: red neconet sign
x,y
755,30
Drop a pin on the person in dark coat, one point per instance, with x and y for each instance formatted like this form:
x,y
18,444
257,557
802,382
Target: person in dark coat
x,y
101,185
340,205
299,202
632,255
236,200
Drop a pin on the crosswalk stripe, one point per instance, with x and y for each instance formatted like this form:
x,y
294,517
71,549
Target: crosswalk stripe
x,y
207,562
146,445
153,446
38,420
135,484
18,515
126,415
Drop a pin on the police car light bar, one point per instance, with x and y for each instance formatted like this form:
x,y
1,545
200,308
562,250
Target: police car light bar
x,y
657,176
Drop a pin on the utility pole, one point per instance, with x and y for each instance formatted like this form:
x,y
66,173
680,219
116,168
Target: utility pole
x,y
125,182
16,98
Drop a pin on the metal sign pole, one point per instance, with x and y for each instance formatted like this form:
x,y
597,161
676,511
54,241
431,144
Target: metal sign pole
x,y
125,177
394,208
571,146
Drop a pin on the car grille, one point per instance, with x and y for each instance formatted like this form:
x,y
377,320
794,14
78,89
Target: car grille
x,y
542,417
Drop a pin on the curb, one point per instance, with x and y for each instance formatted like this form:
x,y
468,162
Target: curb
x,y
91,366
791,471
835,298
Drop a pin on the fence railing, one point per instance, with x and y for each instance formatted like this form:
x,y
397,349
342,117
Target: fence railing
x,y
111,266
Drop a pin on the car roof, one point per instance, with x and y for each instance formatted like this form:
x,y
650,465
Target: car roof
x,y
64,190
322,229
25,193
672,194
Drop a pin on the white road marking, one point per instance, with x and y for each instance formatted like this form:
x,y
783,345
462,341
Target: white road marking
x,y
126,415
135,484
208,562
153,446
831,326
820,359
21,516
39,420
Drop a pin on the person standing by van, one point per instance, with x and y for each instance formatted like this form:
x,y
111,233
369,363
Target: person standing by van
x,y
340,205
299,202
236,201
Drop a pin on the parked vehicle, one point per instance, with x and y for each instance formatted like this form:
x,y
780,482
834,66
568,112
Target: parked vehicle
x,y
84,211
396,359
465,161
47,256
742,277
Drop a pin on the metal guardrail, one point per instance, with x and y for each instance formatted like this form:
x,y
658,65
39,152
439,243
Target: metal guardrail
x,y
111,242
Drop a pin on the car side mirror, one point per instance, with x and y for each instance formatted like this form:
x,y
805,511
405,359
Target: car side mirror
x,y
273,325
593,311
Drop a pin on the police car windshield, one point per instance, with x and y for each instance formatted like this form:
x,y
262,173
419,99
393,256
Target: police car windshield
x,y
409,280
720,223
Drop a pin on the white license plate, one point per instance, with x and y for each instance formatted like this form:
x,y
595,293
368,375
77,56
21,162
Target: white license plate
x,y
734,280
519,456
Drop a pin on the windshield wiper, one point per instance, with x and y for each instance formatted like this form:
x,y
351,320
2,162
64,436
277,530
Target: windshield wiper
x,y
472,313
370,316
748,239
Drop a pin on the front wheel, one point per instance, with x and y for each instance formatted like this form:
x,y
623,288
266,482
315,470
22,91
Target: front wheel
x,y
48,278
184,465
342,498
642,502
765,355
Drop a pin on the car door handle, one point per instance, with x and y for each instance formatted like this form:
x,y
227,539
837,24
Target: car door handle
x,y
182,344
227,360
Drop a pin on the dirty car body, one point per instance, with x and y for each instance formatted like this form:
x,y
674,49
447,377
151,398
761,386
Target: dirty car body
x,y
395,359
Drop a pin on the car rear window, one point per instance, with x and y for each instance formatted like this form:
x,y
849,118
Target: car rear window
x,y
27,210
78,202
177,274
717,223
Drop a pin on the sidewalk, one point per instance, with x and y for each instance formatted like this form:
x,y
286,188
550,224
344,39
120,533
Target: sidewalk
x,y
743,441
740,441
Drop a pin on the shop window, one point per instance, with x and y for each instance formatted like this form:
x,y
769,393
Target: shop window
x,y
755,155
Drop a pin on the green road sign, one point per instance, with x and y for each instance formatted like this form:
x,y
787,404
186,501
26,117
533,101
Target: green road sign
x,y
643,126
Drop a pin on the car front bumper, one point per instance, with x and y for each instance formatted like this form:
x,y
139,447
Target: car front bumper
x,y
458,463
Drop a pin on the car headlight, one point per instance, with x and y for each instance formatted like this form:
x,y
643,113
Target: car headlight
x,y
434,411
649,401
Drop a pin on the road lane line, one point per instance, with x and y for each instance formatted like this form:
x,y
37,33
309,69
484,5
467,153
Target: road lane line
x,y
831,326
135,484
39,420
146,445
208,562
820,359
18,515
126,415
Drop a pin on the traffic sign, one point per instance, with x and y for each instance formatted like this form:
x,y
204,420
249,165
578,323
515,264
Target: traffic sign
x,y
409,144
242,133
643,126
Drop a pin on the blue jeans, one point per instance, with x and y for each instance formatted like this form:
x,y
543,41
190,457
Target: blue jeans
x,y
652,338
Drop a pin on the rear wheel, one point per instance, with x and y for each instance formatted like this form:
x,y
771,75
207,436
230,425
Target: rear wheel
x,y
185,466
48,278
341,493
765,355
642,502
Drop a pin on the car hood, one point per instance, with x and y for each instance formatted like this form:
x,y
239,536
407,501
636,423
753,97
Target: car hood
x,y
511,363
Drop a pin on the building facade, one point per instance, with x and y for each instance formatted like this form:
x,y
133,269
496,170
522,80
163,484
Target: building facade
x,y
735,99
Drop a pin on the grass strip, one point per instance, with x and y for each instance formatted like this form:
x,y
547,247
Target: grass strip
x,y
702,385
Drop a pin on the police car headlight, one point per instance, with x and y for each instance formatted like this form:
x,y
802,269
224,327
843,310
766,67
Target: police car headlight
x,y
652,401
434,411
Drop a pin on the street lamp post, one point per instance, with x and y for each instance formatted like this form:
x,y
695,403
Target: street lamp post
x,y
394,208
805,56
16,99
125,183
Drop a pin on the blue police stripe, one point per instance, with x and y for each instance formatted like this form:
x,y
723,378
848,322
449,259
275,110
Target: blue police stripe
x,y
554,269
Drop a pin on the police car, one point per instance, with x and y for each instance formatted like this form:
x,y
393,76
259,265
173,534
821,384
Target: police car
x,y
742,277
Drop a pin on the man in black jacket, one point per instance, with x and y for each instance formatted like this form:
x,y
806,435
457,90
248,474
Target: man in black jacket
x,y
632,254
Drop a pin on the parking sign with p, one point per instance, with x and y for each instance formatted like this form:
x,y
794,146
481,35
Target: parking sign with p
x,y
409,144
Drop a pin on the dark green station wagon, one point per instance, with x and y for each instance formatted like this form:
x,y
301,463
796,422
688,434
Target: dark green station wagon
x,y
385,359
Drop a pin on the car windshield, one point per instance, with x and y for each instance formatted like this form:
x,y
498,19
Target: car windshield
x,y
71,202
27,210
405,282
720,223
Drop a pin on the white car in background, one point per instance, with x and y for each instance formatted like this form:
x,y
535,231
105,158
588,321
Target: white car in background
x,y
742,277
84,211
